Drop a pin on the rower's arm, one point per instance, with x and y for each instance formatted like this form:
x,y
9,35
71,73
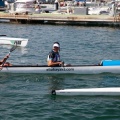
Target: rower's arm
x,y
5,58
51,63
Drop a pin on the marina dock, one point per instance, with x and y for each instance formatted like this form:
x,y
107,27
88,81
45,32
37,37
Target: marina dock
x,y
63,19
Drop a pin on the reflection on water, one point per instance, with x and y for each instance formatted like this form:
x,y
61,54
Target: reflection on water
x,y
55,82
23,50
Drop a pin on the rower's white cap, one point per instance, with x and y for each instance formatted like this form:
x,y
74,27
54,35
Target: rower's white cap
x,y
56,45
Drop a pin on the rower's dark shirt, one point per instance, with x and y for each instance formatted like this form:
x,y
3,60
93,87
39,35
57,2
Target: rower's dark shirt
x,y
54,56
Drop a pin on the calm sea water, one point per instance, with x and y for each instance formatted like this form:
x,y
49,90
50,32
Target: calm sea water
x,y
28,97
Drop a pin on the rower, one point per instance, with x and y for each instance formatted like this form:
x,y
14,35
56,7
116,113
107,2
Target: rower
x,y
6,63
54,57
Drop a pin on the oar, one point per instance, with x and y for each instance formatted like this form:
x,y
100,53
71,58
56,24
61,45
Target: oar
x,y
12,49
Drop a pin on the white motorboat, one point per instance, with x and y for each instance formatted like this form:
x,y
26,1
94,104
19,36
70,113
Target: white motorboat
x,y
98,10
112,91
12,41
24,6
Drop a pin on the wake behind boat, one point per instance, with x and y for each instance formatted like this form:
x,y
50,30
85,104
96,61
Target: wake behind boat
x,y
88,91
12,41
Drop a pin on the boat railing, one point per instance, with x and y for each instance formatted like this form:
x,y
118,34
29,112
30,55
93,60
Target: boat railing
x,y
48,66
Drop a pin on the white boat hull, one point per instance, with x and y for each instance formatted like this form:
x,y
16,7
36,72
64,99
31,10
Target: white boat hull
x,y
88,92
61,70
12,41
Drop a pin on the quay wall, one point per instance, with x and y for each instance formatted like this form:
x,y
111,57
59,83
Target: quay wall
x,y
63,19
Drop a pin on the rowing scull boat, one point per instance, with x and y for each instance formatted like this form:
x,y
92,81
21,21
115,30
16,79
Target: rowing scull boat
x,y
88,92
74,69
12,41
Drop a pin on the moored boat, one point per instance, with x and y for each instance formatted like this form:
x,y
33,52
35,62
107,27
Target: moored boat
x,y
13,41
112,91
